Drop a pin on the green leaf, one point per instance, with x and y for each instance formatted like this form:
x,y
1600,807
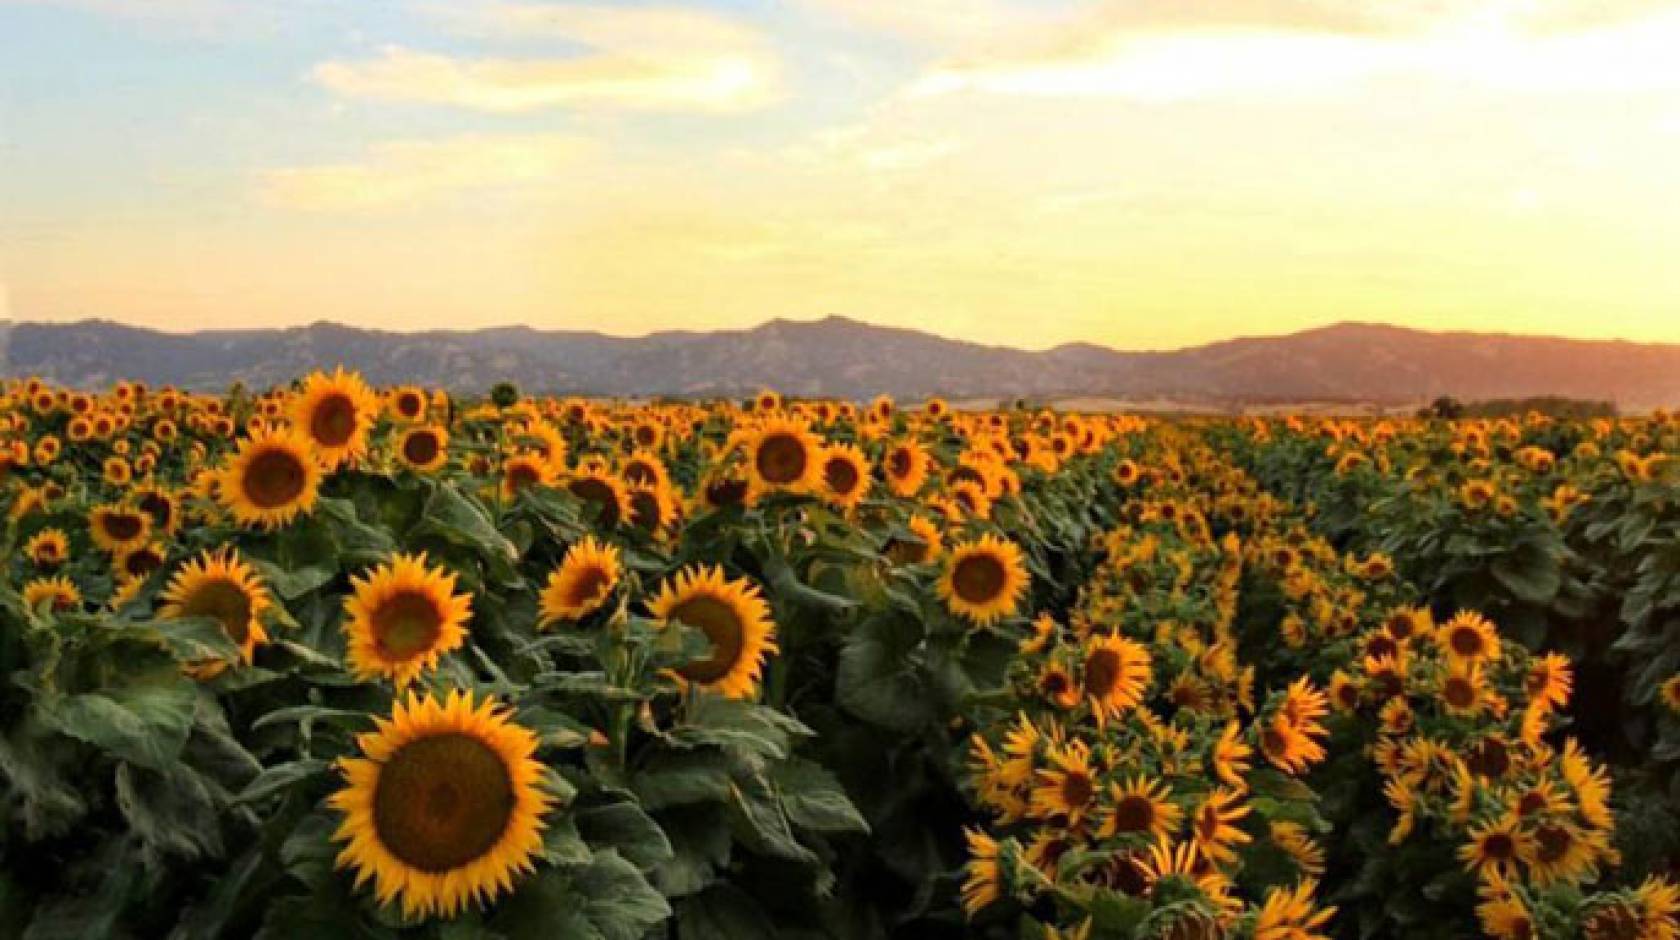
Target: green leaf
x,y
723,913
145,724
1529,572
625,827
280,777
814,799
195,639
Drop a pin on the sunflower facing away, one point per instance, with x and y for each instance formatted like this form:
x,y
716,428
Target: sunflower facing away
x,y
444,807
984,579
582,583
271,479
222,586
401,618
336,412
734,617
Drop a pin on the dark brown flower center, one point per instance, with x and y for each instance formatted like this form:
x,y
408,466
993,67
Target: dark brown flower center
x,y
781,458
274,478
442,801
225,601
722,627
333,422
406,624
979,579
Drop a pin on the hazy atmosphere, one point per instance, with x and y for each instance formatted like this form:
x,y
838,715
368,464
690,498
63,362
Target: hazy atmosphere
x,y
1137,174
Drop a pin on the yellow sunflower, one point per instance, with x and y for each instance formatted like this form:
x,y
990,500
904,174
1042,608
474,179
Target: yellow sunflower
x,y
845,475
224,587
271,479
526,470
408,403
984,579
424,448
401,618
336,412
905,466
1142,806
652,507
783,454
734,617
1213,826
444,807
929,545
118,528
1497,847
48,548
1068,789
1115,675
60,594
1470,637
583,582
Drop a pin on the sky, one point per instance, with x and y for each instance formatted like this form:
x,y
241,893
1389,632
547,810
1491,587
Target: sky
x,y
1143,174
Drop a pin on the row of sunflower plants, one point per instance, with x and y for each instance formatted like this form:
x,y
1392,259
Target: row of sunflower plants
x,y
326,660
1565,533
1459,807
1132,786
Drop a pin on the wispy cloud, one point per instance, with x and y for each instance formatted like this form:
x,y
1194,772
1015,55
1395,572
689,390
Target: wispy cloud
x,y
411,172
1502,53
641,58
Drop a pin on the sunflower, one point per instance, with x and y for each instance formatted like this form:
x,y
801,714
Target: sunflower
x,y
1670,693
905,467
582,583
652,507
1230,757
1497,847
1463,691
783,454
1068,789
1469,636
164,508
117,528
48,548
526,470
1292,839
983,879
1563,852
335,413
845,475
734,617
424,448
1213,826
401,618
222,586
1289,914
1115,674
444,807
1143,807
139,562
1056,685
984,579
271,479
60,593
604,492
408,403
928,546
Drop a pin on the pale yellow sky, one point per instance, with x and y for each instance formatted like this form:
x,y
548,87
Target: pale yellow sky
x,y
1133,174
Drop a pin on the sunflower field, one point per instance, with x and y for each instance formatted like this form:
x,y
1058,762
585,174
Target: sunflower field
x,y
337,661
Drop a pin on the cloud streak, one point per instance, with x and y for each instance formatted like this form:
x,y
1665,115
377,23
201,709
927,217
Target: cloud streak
x,y
405,173
638,59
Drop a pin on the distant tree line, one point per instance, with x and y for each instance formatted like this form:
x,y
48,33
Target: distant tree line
x,y
1555,406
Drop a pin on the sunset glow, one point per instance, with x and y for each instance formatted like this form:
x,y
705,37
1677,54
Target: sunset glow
x,y
1140,174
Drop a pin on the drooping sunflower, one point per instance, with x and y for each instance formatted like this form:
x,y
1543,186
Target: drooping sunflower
x,y
783,454
1469,636
1115,674
604,493
928,546
984,579
117,528
401,618
905,467
845,475
48,548
582,583
1142,806
224,587
444,807
59,593
1290,914
336,412
1213,826
424,448
734,617
525,470
983,874
272,478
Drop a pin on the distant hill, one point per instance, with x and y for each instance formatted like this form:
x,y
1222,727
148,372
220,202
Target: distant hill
x,y
836,356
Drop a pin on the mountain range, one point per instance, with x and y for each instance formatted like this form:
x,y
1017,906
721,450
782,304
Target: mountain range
x,y
841,357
